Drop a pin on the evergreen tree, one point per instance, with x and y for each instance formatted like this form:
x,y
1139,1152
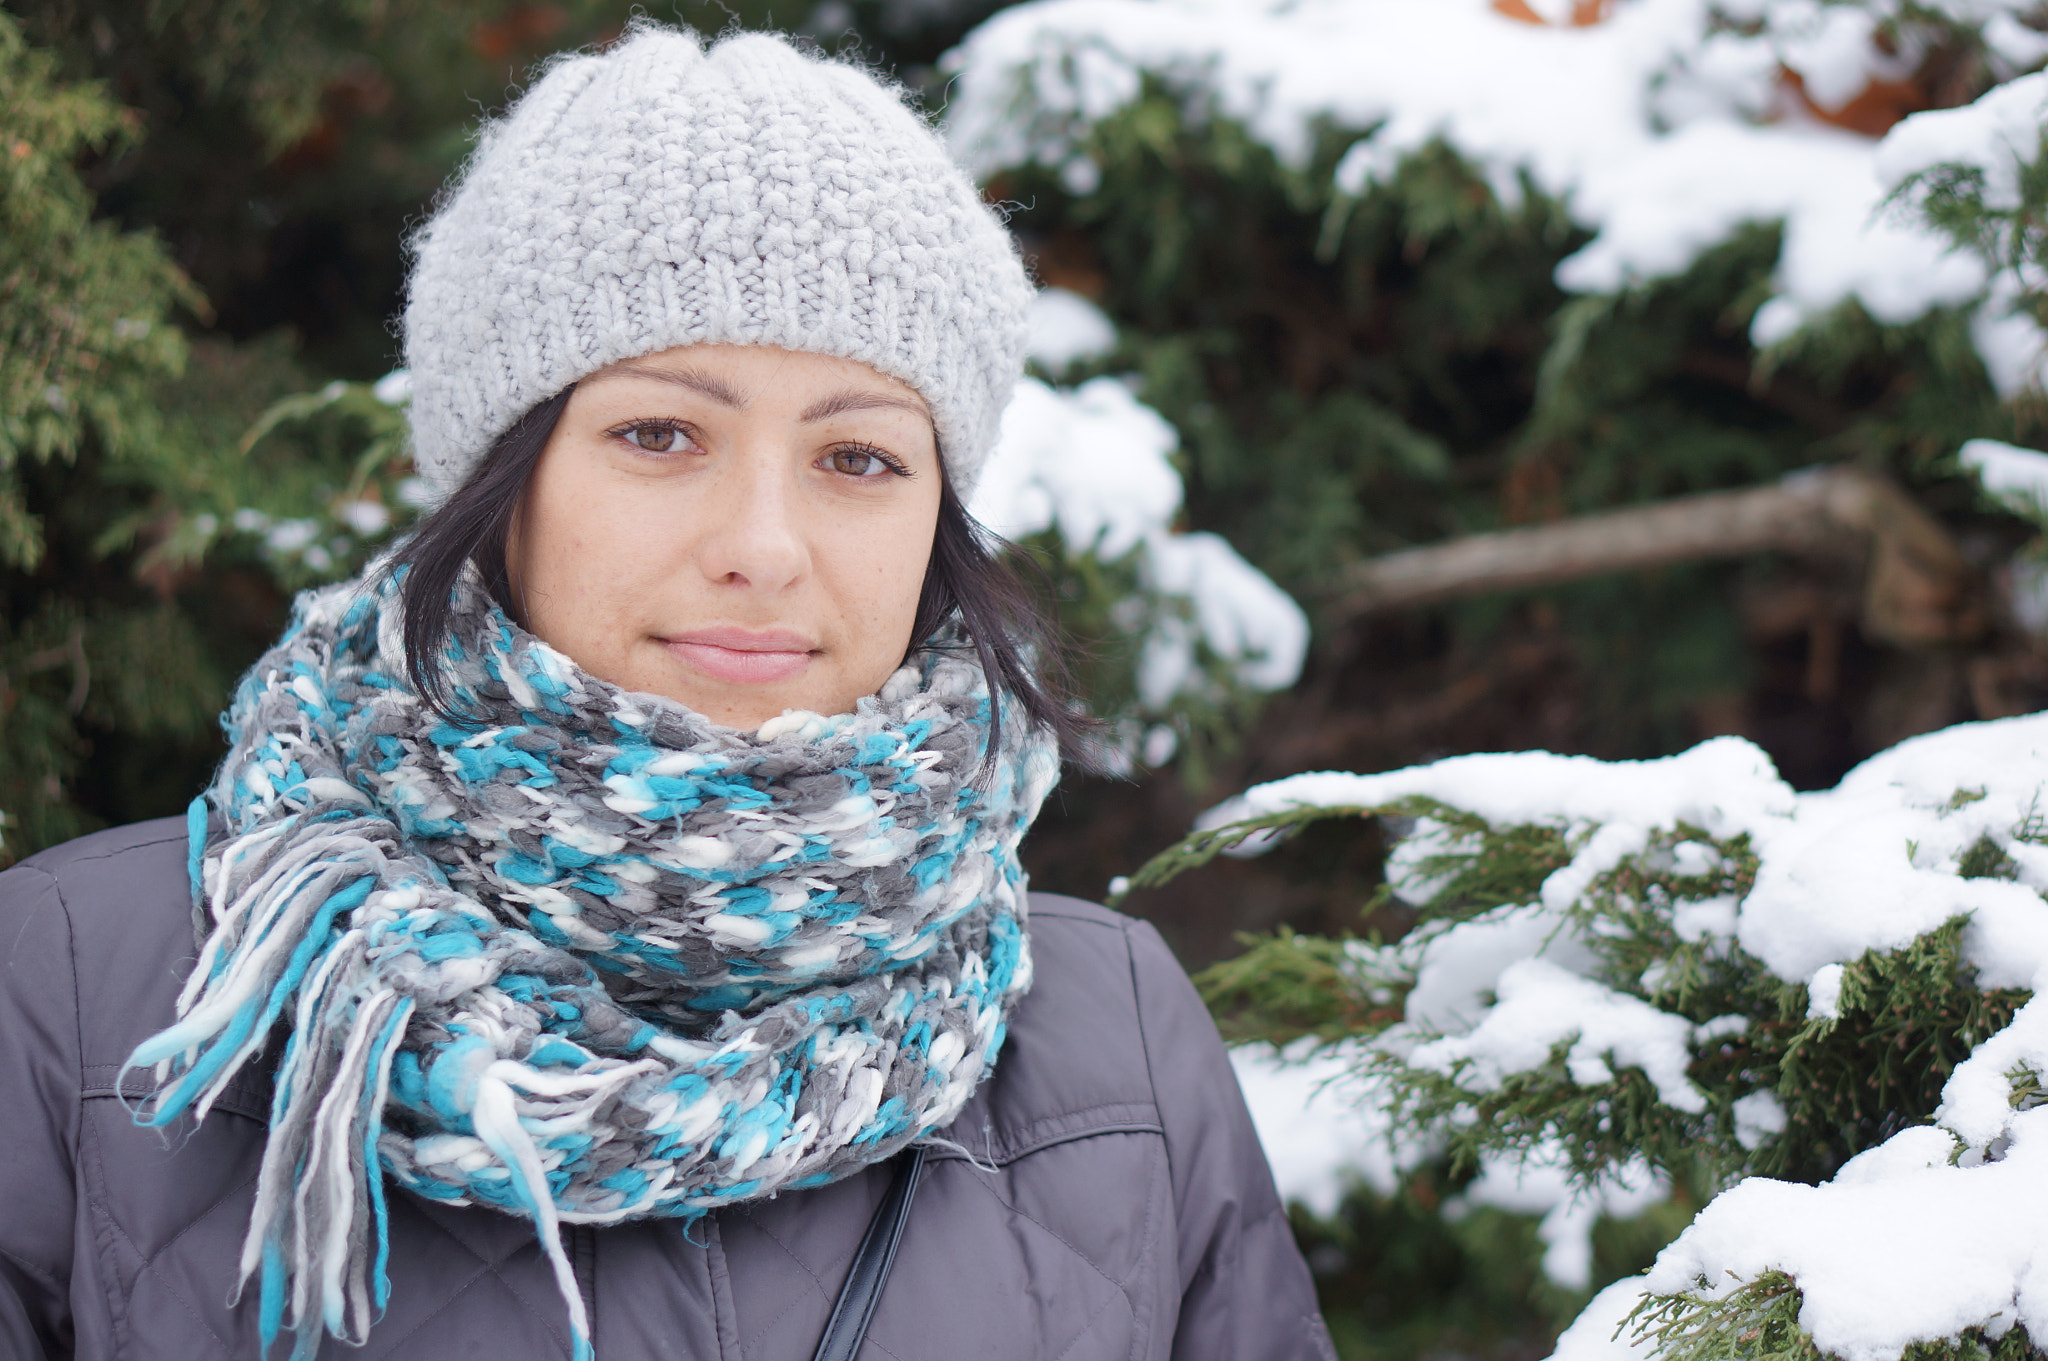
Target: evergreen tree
x,y
87,341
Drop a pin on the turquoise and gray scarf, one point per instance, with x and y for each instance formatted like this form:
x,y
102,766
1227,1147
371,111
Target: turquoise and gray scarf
x,y
591,958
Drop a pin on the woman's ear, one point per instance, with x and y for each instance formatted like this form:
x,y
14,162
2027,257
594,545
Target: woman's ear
x,y
514,554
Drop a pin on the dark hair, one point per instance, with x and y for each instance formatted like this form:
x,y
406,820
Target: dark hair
x,y
968,579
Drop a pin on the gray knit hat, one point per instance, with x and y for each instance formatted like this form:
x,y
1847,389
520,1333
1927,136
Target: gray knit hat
x,y
660,194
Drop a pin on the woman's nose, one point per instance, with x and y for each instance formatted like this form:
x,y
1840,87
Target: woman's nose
x,y
754,533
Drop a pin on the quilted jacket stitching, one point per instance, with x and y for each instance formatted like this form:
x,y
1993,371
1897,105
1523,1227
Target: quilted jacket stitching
x,y
56,1275
55,1283
1050,1232
1116,1294
493,1265
782,1313
454,1297
485,1267
170,1287
149,1261
1154,1197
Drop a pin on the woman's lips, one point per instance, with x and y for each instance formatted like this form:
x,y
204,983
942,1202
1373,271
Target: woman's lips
x,y
741,656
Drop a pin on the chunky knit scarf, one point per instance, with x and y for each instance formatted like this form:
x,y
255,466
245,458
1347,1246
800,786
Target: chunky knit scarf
x,y
590,958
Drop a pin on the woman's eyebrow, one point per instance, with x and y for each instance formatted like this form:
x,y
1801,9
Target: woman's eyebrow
x,y
853,399
717,389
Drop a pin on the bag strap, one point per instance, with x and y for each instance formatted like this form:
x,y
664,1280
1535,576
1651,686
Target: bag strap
x,y
869,1273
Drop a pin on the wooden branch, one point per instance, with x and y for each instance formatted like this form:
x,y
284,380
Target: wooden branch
x,y
1918,589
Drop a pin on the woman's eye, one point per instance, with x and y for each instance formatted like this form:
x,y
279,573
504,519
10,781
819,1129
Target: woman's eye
x,y
860,463
655,439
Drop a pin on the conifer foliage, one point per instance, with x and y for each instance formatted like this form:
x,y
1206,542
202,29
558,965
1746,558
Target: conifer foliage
x,y
87,338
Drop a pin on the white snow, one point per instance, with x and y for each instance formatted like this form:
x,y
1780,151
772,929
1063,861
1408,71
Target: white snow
x,y
1723,787
1597,1333
1092,462
1321,1122
1977,1102
1993,136
290,536
1872,864
1541,1006
1824,993
1902,1246
1457,970
1759,1118
1662,129
2017,476
1325,1128
1239,613
1541,1184
1095,463
1066,328
1698,919
394,388
1869,865
366,517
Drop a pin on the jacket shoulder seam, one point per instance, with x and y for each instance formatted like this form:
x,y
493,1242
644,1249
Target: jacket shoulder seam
x,y
77,1013
1083,918
1145,1042
80,859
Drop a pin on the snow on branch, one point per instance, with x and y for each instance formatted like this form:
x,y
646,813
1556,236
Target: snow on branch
x,y
1664,126
1812,1007
1093,465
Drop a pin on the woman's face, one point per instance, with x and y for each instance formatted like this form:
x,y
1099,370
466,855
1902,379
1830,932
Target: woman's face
x,y
738,528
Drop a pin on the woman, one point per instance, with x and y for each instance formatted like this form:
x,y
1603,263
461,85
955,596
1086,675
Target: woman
x,y
610,930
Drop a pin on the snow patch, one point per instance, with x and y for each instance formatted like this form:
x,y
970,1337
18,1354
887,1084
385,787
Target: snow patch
x,y
1542,1184
1723,787
2017,476
1323,1123
1066,329
1541,1007
1759,1118
1905,1244
1870,865
1597,1334
1095,463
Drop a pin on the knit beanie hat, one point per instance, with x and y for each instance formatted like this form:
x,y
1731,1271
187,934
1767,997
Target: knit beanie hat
x,y
659,194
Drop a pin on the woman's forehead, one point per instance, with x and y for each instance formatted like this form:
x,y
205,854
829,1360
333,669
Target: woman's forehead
x,y
736,375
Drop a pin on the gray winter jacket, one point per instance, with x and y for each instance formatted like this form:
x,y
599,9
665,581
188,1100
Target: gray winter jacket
x,y
1130,1214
